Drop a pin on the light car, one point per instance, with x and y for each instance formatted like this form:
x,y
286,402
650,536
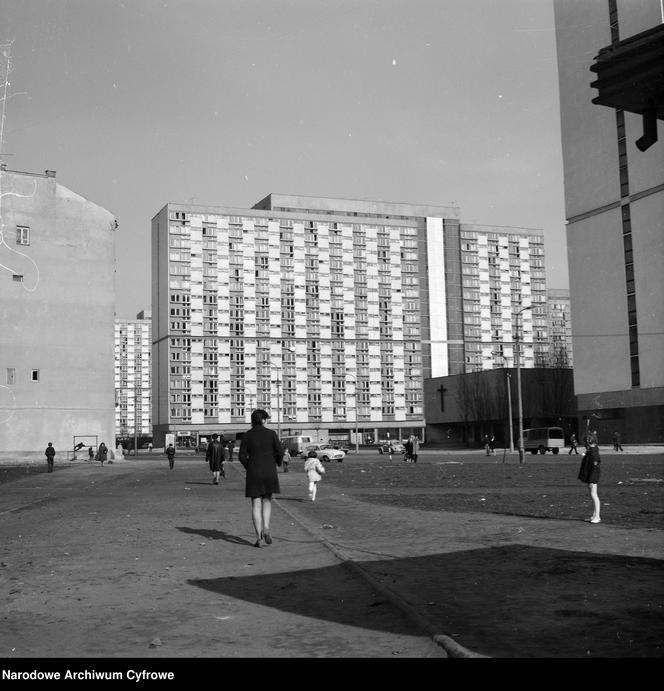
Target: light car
x,y
391,447
324,452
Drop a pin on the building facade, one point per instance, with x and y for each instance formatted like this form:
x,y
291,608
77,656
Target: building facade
x,y
502,270
614,197
133,375
560,329
56,316
330,313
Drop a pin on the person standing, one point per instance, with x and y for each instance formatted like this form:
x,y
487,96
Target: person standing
x,y
286,460
573,445
414,447
215,458
102,452
409,449
229,448
170,454
487,448
314,470
91,454
50,455
589,473
149,447
260,454
492,444
617,441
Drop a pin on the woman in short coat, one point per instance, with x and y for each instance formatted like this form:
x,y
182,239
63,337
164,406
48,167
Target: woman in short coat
x,y
260,454
589,473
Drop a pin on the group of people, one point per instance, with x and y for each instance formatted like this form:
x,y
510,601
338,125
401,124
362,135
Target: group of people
x,y
101,455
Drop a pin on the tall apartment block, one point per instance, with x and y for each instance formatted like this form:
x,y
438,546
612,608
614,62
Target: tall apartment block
x,y
329,313
502,271
560,329
56,316
133,375
610,58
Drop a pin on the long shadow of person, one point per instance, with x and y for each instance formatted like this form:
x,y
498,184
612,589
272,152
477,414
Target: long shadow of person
x,y
216,535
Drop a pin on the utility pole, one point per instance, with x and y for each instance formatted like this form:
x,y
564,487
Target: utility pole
x,y
518,382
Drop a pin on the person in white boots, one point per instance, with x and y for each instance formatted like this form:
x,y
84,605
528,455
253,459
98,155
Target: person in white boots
x,y
314,470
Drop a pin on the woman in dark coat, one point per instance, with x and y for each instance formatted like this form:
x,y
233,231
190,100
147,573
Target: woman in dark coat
x,y
260,454
589,473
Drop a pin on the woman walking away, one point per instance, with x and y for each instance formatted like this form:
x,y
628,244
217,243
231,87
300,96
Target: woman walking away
x,y
314,469
215,458
589,473
260,454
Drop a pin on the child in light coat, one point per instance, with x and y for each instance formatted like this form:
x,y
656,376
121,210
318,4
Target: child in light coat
x,y
314,469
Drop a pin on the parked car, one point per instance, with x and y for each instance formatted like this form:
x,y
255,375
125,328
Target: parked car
x,y
324,452
391,447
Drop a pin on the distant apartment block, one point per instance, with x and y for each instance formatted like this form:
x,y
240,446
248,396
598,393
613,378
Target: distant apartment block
x,y
133,376
56,316
502,270
329,313
560,329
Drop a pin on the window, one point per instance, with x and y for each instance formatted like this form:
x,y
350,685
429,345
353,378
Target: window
x,y
34,375
22,235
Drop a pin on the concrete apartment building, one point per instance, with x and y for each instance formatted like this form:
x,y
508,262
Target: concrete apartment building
x,y
56,316
559,322
329,313
610,62
133,375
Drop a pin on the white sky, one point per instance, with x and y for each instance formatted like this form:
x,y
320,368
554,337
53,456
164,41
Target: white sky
x,y
136,103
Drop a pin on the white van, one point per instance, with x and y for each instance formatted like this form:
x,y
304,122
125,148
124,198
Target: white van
x,y
543,439
295,445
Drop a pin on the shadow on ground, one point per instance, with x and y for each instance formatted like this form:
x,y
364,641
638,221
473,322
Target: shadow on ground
x,y
217,535
507,601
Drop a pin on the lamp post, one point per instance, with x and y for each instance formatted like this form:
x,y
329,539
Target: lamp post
x,y
279,373
357,443
508,383
517,363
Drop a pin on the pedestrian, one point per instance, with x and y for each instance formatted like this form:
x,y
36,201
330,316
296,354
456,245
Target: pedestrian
x,y
492,444
314,470
414,447
50,455
91,454
170,454
589,473
485,441
617,441
230,450
409,449
102,452
149,447
573,445
286,460
215,459
260,454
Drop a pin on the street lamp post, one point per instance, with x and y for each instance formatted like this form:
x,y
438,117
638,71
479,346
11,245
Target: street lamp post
x,y
517,362
357,443
279,375
508,384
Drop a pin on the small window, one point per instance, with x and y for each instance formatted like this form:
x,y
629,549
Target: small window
x,y
35,375
11,375
22,235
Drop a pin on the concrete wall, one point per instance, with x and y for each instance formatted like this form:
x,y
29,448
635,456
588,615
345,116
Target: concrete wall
x,y
593,201
58,320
